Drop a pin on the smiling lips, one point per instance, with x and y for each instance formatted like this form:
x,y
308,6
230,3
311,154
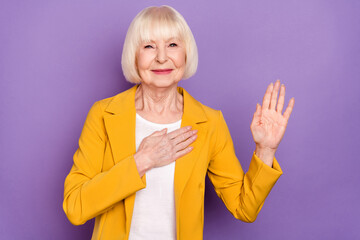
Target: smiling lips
x,y
161,71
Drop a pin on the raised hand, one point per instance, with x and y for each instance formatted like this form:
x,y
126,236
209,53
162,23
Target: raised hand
x,y
269,124
161,148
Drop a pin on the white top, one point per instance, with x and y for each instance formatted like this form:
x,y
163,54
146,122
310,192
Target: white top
x,y
154,210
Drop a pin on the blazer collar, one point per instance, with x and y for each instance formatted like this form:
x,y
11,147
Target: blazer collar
x,y
120,127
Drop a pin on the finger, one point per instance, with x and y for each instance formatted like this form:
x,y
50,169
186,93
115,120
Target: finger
x,y
274,95
179,131
280,104
289,109
183,137
266,99
181,145
183,152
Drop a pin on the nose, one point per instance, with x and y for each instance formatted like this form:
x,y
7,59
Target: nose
x,y
161,55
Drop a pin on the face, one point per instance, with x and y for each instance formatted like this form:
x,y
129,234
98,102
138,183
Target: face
x,y
160,62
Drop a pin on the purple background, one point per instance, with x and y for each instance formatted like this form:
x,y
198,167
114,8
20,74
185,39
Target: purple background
x,y
58,58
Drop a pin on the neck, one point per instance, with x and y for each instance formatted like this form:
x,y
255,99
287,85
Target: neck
x,y
158,101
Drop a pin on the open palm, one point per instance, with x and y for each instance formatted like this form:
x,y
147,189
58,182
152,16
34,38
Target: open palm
x,y
269,124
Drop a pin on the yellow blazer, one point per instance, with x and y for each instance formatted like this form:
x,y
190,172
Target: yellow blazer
x,y
103,180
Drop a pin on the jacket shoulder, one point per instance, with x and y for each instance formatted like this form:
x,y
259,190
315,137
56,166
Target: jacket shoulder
x,y
211,113
105,102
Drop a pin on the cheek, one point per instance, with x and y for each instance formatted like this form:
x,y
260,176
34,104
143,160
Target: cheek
x,y
180,60
144,61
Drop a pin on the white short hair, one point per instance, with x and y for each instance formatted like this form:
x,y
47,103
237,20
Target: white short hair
x,y
161,22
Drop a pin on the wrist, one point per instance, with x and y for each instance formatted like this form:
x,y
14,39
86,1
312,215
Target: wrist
x,y
265,154
142,163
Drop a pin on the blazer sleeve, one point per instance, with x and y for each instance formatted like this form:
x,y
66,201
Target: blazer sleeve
x,y
243,194
89,192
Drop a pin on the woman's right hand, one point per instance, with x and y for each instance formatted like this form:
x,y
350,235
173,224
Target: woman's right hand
x,y
161,148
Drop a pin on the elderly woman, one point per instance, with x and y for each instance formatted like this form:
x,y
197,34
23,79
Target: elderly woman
x,y
144,154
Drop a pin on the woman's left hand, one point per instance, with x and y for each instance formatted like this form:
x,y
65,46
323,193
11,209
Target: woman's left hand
x,y
269,124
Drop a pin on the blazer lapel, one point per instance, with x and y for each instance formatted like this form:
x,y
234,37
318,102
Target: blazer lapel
x,y
193,115
120,127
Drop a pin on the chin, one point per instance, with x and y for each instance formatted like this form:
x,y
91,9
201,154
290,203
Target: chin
x,y
163,83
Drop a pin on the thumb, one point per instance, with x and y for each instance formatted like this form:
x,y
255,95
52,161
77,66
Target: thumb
x,y
258,110
257,113
159,133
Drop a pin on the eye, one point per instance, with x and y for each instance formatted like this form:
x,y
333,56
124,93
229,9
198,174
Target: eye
x,y
173,45
148,46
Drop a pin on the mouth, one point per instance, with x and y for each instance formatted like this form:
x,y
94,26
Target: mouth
x,y
162,71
